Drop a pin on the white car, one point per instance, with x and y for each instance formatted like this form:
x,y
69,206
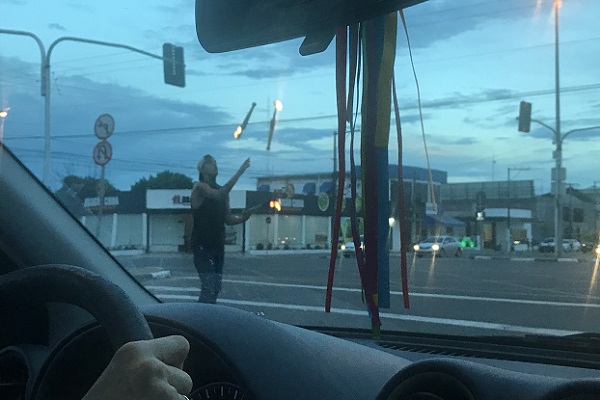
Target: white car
x,y
348,247
571,245
441,246
547,245
568,245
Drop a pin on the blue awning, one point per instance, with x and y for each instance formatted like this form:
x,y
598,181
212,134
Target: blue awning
x,y
443,220
264,188
309,188
326,187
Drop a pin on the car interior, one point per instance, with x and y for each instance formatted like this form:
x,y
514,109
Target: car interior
x,y
67,304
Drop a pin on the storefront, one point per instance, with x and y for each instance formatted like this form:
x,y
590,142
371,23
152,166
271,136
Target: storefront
x,y
161,221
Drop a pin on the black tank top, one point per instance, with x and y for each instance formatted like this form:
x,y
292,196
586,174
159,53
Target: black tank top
x,y
209,224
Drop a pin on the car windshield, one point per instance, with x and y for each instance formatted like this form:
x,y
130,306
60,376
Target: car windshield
x,y
215,177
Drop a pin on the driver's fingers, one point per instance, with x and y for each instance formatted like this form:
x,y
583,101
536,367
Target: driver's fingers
x,y
179,379
172,350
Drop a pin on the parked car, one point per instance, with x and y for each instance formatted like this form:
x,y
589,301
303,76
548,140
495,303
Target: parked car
x,y
571,245
547,245
348,247
438,245
587,247
568,245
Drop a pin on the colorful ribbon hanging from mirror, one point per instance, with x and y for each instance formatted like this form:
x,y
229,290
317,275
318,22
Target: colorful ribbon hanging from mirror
x,y
341,44
378,43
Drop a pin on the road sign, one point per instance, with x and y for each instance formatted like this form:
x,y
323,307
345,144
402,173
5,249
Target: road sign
x,y
102,153
104,126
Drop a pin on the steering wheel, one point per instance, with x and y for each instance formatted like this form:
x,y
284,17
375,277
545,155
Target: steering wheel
x,y
107,302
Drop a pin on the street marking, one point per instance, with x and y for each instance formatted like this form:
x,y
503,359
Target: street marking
x,y
413,318
395,293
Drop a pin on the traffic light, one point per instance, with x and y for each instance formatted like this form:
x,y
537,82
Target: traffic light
x,y
524,117
173,65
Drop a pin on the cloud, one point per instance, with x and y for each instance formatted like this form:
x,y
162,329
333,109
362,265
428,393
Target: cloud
x,y
194,72
433,22
175,7
57,27
79,6
158,127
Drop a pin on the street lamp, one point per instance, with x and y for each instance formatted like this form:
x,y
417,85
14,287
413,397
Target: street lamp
x,y
508,195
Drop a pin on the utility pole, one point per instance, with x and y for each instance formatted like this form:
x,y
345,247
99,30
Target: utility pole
x,y
596,235
558,234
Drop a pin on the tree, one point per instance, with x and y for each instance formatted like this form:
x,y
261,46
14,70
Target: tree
x,y
86,186
164,180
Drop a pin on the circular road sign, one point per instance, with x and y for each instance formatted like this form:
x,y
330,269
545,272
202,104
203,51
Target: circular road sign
x,y
323,202
102,153
104,126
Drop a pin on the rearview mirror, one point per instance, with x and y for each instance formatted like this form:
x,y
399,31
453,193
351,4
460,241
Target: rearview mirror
x,y
226,25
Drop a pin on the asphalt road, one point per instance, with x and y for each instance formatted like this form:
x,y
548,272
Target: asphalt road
x,y
449,295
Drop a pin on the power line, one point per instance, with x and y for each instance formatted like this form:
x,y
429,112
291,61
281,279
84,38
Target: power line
x,y
428,105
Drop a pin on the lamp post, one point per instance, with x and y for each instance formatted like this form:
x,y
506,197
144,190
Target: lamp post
x,y
557,175
45,80
558,234
508,234
596,234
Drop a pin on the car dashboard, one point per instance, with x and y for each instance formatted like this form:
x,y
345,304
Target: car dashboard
x,y
238,355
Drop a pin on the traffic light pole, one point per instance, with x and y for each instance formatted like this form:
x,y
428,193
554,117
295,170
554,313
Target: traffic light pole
x,y
557,178
46,88
45,80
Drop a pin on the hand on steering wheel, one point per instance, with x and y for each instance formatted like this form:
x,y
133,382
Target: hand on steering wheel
x,y
145,370
142,368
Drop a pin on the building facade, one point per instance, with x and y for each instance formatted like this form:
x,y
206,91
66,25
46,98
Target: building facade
x,y
499,214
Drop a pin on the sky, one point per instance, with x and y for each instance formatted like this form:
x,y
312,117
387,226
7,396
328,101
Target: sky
x,y
475,61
